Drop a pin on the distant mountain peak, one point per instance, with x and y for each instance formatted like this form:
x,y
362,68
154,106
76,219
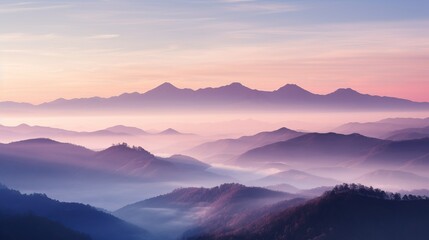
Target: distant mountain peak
x,y
236,84
166,86
126,130
37,141
235,87
293,89
124,148
291,86
283,129
345,91
170,131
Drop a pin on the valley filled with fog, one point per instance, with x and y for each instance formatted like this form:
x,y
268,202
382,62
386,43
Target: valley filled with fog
x,y
212,173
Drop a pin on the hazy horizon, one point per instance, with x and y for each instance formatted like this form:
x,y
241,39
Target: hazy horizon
x,y
214,119
73,49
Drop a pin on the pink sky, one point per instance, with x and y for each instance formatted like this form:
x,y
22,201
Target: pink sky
x,y
71,49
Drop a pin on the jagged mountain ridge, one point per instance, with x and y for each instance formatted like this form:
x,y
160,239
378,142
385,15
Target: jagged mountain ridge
x,y
230,96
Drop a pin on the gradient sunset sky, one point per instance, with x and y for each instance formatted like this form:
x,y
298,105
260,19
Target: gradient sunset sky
x,y
82,48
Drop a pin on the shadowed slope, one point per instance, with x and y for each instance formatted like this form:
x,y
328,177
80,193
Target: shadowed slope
x,y
346,212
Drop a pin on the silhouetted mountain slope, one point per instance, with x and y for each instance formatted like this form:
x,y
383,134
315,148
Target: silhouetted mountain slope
x,y
48,150
331,148
126,130
33,131
187,161
410,153
320,147
347,212
382,128
82,218
231,96
25,227
296,178
242,144
137,162
409,134
170,131
43,162
223,194
26,131
47,163
171,214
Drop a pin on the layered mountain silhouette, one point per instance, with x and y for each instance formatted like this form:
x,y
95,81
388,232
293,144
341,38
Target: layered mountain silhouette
x,y
232,96
297,179
328,149
383,128
171,131
346,212
137,162
44,162
50,215
27,131
312,192
409,134
226,205
232,147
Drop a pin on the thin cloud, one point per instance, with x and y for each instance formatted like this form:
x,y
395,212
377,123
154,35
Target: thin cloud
x,y
104,36
258,6
29,7
262,7
22,37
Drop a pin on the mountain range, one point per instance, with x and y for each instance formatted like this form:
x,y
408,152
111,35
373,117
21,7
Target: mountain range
x,y
384,128
331,149
234,96
27,131
220,149
47,164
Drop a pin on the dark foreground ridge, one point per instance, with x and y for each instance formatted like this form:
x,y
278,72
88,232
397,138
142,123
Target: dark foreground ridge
x,y
351,212
40,217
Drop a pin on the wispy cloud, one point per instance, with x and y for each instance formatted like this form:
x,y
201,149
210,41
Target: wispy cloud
x,y
259,7
22,37
104,36
29,6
